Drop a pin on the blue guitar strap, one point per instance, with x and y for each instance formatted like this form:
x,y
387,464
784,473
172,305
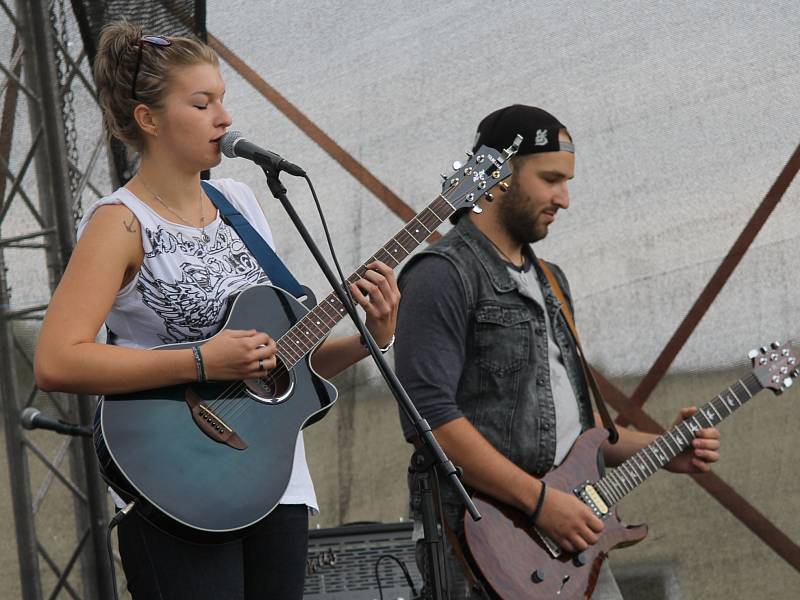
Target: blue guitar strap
x,y
277,272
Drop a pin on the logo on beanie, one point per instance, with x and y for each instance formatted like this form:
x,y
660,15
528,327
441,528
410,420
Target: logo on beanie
x,y
541,138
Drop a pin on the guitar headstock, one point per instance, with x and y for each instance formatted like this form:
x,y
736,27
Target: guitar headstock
x,y
483,170
775,366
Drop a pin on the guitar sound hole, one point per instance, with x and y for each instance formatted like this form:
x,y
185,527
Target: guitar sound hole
x,y
275,387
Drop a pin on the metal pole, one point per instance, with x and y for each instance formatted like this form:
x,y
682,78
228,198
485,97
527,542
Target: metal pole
x,y
56,203
19,474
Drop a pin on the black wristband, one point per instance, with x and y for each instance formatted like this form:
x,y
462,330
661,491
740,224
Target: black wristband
x,y
538,509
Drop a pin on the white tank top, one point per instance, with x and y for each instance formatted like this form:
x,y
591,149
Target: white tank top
x,y
181,291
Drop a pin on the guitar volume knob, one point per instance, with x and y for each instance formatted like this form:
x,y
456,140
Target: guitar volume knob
x,y
579,559
538,576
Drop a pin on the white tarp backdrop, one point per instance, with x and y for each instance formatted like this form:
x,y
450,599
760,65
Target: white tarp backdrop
x,y
683,115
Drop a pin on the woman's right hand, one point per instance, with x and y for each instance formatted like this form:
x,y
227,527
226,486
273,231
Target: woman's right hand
x,y
238,354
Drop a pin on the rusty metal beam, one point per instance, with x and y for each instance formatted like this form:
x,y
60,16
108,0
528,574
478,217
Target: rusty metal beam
x,y
716,283
363,175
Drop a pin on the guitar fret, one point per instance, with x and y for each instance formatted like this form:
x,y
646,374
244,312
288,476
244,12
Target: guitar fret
x,y
754,383
388,256
602,485
289,352
658,453
414,231
444,206
394,253
733,393
725,404
650,458
623,485
410,239
705,416
683,439
668,452
315,325
631,472
714,408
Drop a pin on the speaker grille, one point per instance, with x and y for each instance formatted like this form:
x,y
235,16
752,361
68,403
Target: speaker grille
x,y
341,562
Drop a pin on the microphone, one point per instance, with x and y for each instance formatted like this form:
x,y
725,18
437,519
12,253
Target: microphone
x,y
233,144
33,418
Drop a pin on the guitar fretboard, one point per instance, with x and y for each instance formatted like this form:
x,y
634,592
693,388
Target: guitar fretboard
x,y
622,480
317,323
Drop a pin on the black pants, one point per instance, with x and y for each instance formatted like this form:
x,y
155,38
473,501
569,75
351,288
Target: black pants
x,y
269,564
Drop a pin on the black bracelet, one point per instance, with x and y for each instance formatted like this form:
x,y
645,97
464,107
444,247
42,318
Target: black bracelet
x,y
538,509
198,362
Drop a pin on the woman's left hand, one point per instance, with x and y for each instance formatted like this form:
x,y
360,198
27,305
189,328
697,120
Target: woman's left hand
x,y
704,448
378,295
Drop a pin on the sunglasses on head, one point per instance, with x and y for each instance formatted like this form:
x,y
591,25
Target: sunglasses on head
x,y
153,40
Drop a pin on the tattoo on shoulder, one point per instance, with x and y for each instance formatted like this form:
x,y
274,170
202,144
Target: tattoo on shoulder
x,y
131,227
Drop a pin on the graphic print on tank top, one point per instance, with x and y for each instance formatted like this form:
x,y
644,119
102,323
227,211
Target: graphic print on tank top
x,y
197,299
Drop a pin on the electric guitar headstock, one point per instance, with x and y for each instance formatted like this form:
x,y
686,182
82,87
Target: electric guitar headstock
x,y
484,169
775,366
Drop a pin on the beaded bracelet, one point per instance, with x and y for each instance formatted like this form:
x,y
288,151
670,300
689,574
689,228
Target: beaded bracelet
x,y
538,509
383,350
198,362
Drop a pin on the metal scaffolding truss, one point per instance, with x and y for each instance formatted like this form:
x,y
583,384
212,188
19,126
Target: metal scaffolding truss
x,y
46,172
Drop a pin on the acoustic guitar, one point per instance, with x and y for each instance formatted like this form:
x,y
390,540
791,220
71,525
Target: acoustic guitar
x,y
208,462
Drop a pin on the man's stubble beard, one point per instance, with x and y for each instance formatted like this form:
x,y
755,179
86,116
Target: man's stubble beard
x,y
517,219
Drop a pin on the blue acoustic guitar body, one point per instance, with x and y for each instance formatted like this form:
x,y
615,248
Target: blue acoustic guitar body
x,y
152,447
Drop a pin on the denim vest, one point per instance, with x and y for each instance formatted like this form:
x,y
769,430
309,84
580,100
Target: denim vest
x,y
505,390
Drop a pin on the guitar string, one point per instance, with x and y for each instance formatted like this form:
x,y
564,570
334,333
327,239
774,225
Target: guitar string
x,y
630,477
229,411
234,403
401,238
231,398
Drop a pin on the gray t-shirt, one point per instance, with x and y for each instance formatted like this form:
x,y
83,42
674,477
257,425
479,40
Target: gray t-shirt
x,y
568,422
430,354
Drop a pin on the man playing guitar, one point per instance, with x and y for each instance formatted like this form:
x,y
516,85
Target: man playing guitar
x,y
487,356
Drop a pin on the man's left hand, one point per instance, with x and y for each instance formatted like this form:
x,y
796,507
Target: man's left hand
x,y
703,452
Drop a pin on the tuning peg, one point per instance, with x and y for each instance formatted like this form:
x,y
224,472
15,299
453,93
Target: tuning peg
x,y
443,176
477,209
489,197
764,349
456,165
788,382
469,154
752,354
775,345
503,186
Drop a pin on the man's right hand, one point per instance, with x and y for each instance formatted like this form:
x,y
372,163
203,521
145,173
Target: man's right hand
x,y
568,521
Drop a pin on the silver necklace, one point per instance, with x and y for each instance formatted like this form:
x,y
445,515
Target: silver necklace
x,y
203,235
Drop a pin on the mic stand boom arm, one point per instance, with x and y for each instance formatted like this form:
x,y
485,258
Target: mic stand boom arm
x,y
430,452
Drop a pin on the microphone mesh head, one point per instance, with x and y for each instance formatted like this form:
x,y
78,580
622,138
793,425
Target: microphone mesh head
x,y
227,142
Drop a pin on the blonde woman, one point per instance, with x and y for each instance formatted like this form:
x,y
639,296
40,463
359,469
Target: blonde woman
x,y
155,264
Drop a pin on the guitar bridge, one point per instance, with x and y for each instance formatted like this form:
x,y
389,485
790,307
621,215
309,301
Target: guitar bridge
x,y
591,498
210,424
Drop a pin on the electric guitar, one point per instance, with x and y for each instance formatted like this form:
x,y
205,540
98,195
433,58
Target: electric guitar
x,y
519,562
208,462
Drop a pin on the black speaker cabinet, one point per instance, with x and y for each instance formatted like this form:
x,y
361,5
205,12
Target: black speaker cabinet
x,y
341,562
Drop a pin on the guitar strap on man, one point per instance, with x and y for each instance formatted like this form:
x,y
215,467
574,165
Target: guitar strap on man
x,y
608,423
277,272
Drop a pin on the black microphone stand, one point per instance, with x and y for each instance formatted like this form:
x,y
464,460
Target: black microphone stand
x,y
430,454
